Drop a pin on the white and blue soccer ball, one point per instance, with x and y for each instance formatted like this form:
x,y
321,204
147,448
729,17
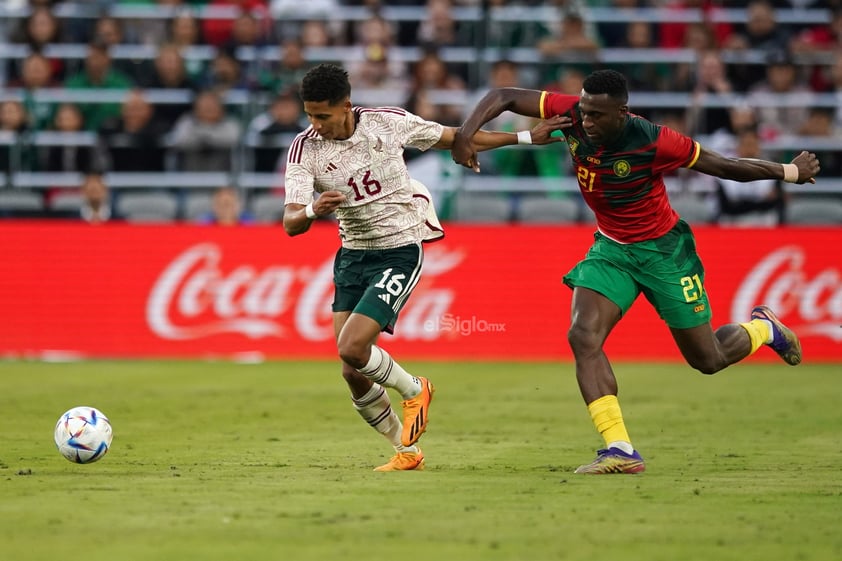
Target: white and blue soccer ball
x,y
83,435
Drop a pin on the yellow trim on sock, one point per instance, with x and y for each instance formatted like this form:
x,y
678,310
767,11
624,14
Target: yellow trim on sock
x,y
608,419
758,333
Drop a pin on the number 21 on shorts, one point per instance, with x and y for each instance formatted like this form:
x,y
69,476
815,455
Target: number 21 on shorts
x,y
692,287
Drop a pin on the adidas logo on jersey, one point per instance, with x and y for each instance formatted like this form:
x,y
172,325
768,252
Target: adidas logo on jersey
x,y
330,167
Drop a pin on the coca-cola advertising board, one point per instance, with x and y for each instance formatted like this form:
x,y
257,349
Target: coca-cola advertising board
x,y
487,292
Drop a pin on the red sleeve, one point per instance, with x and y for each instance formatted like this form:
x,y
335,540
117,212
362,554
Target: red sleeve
x,y
556,104
674,150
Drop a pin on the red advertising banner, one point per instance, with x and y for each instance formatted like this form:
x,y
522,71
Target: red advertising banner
x,y
252,292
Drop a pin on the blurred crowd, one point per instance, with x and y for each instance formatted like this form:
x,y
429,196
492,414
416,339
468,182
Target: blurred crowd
x,y
203,129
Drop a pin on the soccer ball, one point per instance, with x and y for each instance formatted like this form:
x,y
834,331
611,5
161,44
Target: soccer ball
x,y
83,435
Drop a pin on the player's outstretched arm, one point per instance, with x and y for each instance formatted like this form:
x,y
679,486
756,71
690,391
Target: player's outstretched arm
x,y
518,100
297,218
487,140
803,168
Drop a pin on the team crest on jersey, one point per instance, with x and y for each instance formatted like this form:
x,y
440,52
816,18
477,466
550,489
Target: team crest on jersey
x,y
379,146
573,144
622,168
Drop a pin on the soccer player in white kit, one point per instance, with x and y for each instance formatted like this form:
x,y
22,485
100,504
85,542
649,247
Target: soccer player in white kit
x,y
353,158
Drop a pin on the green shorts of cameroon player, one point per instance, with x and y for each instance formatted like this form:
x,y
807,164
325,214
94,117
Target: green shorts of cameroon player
x,y
667,270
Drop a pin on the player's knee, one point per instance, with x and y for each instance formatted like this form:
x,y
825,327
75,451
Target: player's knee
x,y
706,365
352,353
582,340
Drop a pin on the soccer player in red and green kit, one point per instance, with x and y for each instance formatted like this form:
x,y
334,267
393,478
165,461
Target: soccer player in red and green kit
x,y
641,244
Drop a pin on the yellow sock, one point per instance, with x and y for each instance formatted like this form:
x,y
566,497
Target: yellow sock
x,y
608,419
758,331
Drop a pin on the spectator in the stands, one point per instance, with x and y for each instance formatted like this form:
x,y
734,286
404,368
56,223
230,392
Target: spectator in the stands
x,y
288,72
756,203
248,33
17,154
227,209
225,73
440,28
569,35
205,138
97,206
39,29
782,78
37,74
650,75
615,34
820,40
314,33
170,72
763,32
134,141
673,30
73,155
510,162
185,32
374,29
430,72
711,79
98,73
108,31
820,126
266,131
836,84
218,31
700,39
378,71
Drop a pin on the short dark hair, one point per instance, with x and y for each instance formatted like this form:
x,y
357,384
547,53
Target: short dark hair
x,y
608,82
325,82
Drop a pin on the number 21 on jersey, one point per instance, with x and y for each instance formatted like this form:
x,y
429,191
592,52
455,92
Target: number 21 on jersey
x,y
586,177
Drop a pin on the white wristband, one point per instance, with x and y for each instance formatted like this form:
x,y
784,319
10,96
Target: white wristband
x,y
790,173
524,137
309,212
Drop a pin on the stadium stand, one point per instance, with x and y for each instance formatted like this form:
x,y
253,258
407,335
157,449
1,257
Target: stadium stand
x,y
20,204
197,205
541,209
691,208
824,210
267,207
154,206
253,68
484,208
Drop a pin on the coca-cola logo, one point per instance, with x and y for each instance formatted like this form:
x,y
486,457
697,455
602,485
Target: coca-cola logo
x,y
780,281
195,298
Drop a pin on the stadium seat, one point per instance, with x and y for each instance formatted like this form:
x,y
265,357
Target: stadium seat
x,y
481,207
538,209
692,209
267,207
197,205
823,210
21,203
66,203
147,207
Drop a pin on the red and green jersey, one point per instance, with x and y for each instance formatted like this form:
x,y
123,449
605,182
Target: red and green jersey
x,y
623,183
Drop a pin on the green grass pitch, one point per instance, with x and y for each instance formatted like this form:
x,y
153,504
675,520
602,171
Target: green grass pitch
x,y
221,461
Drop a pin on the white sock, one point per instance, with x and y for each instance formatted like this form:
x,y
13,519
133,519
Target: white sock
x,y
771,331
622,445
376,409
382,369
